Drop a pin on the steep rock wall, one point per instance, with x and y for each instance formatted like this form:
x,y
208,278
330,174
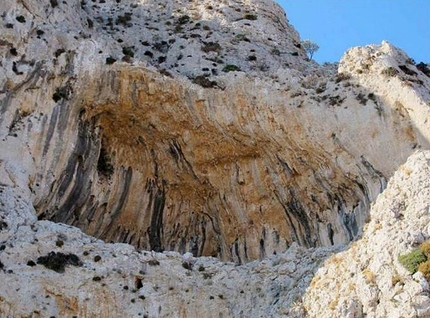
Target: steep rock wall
x,y
241,170
59,271
166,151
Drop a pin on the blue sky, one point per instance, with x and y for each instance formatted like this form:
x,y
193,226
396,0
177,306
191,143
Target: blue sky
x,y
336,25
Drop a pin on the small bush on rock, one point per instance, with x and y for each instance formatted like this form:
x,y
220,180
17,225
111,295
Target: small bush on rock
x,y
184,19
407,70
396,279
361,99
153,262
61,93
230,68
389,71
123,19
186,265
211,47
241,37
58,261
110,60
128,51
251,17
425,248
369,277
424,68
203,81
342,77
276,51
425,269
412,260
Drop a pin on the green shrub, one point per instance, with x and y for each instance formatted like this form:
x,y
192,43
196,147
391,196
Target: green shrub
x,y
412,260
230,68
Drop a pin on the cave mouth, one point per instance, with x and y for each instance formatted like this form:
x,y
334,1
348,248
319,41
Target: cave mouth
x,y
145,171
159,197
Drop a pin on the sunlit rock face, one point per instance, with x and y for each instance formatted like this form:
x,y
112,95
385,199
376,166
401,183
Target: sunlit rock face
x,y
197,127
202,128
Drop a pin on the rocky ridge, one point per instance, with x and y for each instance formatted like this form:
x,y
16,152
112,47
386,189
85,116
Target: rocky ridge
x,y
184,127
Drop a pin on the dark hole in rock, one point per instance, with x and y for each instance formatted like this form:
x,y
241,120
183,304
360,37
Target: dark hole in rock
x,y
104,165
138,283
186,265
3,225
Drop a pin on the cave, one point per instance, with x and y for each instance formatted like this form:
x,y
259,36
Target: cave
x,y
144,170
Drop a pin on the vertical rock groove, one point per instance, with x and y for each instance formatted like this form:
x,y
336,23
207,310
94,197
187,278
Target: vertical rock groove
x,y
155,230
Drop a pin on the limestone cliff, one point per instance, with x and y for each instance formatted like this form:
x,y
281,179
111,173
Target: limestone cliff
x,y
192,127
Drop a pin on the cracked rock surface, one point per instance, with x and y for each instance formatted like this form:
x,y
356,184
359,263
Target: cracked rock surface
x,y
200,128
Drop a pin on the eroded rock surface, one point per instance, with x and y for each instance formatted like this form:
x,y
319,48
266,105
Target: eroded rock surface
x,y
196,127
363,279
266,157
367,279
